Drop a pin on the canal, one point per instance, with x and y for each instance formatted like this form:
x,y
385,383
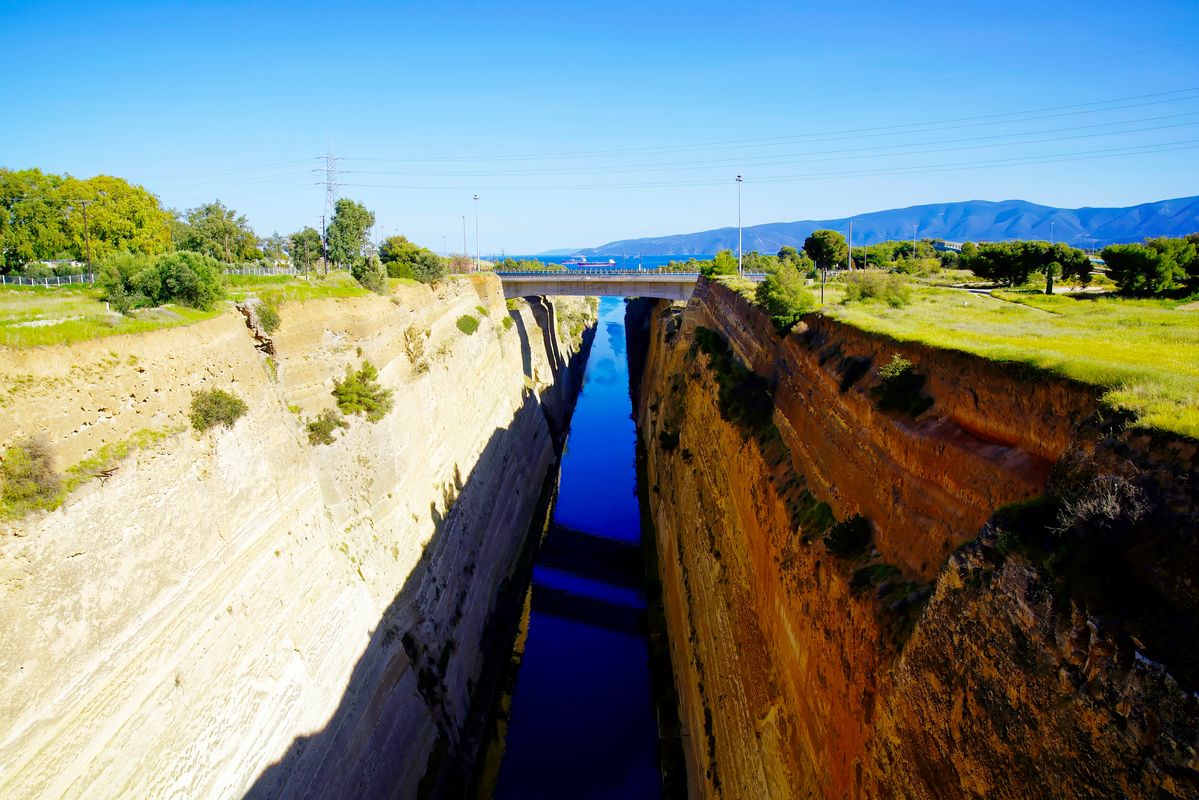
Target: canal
x,y
580,720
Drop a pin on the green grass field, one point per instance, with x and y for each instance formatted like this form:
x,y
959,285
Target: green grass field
x,y
33,316
280,289
1144,354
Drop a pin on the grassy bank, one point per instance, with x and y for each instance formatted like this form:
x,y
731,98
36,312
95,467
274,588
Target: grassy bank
x,y
1144,354
33,316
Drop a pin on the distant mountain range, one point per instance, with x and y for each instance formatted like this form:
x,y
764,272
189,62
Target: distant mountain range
x,y
972,220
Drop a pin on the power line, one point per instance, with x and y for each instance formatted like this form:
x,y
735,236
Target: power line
x,y
1187,144
929,126
877,151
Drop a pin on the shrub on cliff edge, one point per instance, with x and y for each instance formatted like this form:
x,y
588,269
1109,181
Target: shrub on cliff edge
x,y
371,274
785,296
27,477
320,430
901,388
215,407
359,393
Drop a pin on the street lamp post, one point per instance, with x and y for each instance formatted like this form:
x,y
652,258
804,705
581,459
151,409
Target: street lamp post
x,y
740,271
476,233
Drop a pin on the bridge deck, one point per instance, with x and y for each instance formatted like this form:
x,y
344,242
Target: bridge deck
x,y
622,283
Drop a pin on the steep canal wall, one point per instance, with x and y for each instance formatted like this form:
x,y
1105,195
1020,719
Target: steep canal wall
x,y
862,600
241,612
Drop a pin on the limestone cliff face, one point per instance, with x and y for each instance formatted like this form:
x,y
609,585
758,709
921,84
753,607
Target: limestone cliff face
x,y
912,667
242,612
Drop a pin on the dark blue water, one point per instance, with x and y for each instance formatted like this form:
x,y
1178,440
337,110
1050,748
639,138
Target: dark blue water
x,y
582,722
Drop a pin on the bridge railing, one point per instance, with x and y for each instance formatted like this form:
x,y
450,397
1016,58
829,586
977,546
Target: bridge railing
x,y
589,273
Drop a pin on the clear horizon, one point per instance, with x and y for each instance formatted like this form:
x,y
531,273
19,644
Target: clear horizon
x,y
579,127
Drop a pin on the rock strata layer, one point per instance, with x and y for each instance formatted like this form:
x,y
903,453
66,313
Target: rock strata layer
x,y
241,612
838,625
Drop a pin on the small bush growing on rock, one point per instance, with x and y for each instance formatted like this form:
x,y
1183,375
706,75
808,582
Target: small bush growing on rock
x,y
27,477
320,430
268,317
215,407
850,537
901,388
414,348
468,324
359,393
871,576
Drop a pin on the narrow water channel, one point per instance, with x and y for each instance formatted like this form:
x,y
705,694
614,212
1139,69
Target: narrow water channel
x,y
581,722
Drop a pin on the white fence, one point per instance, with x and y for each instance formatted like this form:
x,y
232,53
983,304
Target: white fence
x,y
263,271
90,277
51,280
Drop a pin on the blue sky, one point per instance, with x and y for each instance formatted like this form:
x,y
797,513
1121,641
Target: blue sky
x,y
580,123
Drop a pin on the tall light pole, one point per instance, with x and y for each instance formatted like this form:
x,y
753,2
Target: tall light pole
x,y
850,244
739,269
476,233
1051,233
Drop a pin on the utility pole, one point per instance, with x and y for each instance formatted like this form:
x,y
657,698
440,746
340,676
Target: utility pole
x,y
740,271
851,244
476,233
914,229
1051,233
87,236
330,198
324,245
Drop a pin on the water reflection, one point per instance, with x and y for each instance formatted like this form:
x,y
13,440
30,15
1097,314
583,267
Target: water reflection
x,y
582,722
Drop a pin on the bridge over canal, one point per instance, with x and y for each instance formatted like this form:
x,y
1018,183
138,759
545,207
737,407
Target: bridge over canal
x,y
595,282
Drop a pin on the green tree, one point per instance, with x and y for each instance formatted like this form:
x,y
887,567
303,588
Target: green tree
x,y
788,253
305,247
219,232
120,217
826,248
32,221
1157,267
725,263
404,259
370,273
274,250
1011,263
784,294
428,267
348,231
398,249
185,277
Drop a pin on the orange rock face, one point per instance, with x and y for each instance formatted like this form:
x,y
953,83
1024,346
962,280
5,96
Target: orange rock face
x,y
914,668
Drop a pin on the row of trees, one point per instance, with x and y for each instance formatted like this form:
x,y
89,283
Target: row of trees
x,y
1159,266
46,217
1011,263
